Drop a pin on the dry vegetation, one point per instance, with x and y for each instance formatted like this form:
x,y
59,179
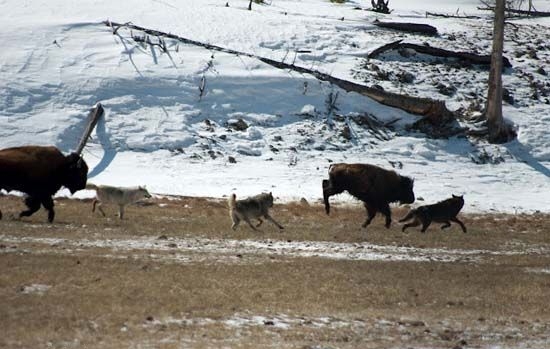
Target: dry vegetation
x,y
97,296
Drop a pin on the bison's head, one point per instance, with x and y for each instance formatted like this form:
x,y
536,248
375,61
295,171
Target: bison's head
x,y
406,191
76,173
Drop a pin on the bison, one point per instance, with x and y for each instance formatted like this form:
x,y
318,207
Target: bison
x,y
39,172
373,185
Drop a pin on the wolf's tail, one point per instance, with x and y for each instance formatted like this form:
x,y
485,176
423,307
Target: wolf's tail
x,y
408,216
91,186
232,201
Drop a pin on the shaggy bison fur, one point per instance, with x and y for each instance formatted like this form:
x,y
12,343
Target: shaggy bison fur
x,y
40,172
373,185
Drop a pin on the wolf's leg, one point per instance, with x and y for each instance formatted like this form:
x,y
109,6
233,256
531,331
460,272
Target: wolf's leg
x,y
121,211
247,220
414,223
460,223
47,202
93,205
371,213
425,225
100,209
236,220
446,225
33,205
259,222
268,217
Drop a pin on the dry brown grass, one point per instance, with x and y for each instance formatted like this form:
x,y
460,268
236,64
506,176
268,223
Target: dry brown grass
x,y
105,302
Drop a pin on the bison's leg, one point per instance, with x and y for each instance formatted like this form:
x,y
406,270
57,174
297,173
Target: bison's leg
x,y
0,214
47,202
33,205
385,210
121,211
371,213
328,191
459,223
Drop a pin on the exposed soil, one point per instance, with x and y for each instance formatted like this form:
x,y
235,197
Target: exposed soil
x,y
173,274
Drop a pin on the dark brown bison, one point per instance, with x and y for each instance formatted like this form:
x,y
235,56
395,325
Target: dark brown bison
x,y
373,185
39,172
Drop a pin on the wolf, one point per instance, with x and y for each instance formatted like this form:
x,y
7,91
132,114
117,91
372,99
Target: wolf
x,y
254,207
116,195
442,212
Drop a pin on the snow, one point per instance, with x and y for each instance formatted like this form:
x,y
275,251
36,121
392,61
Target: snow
x,y
204,250
58,60
38,289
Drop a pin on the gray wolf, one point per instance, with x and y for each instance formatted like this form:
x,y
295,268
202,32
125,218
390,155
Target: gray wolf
x,y
255,207
116,195
441,212
39,172
375,186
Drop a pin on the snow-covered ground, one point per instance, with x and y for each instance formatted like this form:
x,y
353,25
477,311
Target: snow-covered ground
x,y
58,59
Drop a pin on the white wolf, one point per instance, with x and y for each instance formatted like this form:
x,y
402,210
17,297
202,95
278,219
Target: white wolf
x,y
116,195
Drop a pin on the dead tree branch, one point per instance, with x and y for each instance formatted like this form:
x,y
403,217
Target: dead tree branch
x,y
435,111
519,12
93,117
432,14
438,52
408,27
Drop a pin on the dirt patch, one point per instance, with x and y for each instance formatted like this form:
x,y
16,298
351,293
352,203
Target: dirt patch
x,y
173,274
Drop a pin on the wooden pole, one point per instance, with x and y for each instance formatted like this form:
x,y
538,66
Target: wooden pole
x,y
495,120
96,112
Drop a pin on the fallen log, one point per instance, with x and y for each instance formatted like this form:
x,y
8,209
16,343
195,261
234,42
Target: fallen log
x,y
519,12
408,27
433,14
435,111
438,52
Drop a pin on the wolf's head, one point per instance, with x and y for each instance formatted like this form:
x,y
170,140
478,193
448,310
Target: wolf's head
x,y
143,192
458,200
266,199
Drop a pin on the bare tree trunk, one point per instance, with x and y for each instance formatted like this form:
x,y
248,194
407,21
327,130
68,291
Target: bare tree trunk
x,y
498,130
